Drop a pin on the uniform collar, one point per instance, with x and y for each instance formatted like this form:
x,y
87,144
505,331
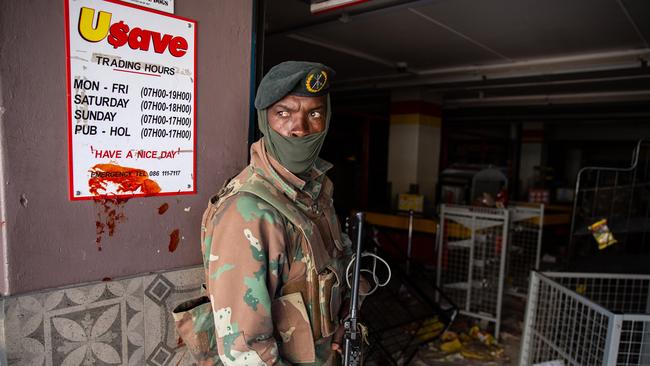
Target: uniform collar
x,y
310,182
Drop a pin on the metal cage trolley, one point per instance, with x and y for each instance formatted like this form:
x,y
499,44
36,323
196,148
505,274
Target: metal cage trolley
x,y
524,245
621,196
587,319
471,259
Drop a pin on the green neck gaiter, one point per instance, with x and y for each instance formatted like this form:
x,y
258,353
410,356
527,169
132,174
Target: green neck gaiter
x,y
297,154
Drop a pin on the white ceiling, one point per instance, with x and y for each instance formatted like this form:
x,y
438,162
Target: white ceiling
x,y
473,51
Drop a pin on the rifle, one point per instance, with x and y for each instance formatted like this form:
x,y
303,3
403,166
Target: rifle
x,y
353,355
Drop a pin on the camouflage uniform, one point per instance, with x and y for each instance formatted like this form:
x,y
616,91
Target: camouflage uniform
x,y
275,260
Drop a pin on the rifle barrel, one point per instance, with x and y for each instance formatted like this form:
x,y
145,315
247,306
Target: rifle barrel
x,y
357,267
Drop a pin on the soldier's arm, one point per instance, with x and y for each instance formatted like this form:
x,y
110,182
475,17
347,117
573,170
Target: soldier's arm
x,y
241,285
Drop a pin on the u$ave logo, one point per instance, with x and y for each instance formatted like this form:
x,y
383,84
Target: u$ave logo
x,y
120,34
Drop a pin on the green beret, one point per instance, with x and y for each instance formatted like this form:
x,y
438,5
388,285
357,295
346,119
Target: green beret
x,y
307,79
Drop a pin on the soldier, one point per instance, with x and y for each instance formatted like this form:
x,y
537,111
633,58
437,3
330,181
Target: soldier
x,y
274,250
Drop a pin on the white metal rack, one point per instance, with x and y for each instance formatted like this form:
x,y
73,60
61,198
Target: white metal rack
x,y
587,319
483,251
471,259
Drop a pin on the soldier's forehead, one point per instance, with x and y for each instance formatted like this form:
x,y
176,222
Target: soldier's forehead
x,y
292,100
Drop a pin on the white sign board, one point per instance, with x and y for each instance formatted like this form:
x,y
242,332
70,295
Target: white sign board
x,y
131,100
162,5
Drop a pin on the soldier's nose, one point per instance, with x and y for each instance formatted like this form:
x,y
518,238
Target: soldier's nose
x,y
300,127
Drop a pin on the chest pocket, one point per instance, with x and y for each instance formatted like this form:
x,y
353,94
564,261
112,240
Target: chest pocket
x,y
329,295
331,279
333,283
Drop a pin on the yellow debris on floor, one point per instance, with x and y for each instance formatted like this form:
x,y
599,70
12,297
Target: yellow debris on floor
x,y
474,344
429,329
451,346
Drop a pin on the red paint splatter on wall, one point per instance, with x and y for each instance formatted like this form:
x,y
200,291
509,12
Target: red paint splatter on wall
x,y
126,179
110,212
99,226
163,208
174,238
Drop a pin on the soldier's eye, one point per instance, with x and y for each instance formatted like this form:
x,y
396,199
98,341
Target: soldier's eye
x,y
283,114
316,114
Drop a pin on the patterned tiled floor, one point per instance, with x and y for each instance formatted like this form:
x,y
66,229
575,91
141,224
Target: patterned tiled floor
x,y
125,322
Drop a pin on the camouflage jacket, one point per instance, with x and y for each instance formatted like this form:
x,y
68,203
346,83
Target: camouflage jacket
x,y
275,259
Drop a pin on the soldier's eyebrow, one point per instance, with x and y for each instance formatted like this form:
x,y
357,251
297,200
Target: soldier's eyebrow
x,y
284,106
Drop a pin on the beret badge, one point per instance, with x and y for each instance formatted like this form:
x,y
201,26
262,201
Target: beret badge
x,y
316,81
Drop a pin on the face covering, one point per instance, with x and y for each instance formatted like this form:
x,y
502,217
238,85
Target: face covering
x,y
297,154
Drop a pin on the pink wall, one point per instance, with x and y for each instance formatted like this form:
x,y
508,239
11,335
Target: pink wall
x,y
49,241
